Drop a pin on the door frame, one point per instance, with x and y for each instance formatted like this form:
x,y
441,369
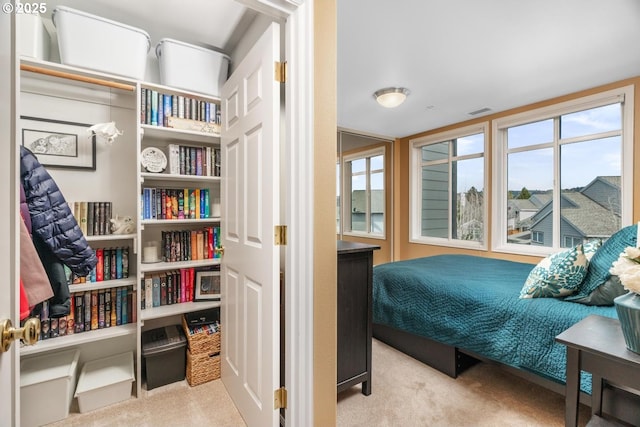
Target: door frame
x,y
297,163
9,261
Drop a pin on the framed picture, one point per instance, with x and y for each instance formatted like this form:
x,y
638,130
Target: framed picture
x,y
207,286
59,144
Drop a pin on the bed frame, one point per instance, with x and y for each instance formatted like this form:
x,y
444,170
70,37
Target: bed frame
x,y
453,361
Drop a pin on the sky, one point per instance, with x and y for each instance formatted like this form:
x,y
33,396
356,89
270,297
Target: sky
x,y
581,162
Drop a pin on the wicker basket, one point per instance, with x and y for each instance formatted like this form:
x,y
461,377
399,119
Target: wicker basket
x,y
202,368
201,342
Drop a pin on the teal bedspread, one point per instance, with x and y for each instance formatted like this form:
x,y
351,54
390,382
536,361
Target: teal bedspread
x,y
473,303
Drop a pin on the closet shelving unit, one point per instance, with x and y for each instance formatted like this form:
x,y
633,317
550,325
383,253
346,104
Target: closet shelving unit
x,y
125,96
160,137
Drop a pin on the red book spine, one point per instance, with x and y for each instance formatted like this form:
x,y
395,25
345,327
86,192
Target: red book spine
x,y
183,285
100,265
191,283
210,242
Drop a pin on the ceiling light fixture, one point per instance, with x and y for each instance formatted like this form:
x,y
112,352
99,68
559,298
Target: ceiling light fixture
x,y
391,97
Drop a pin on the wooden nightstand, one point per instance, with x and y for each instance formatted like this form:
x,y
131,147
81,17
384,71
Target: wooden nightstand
x,y
596,345
355,316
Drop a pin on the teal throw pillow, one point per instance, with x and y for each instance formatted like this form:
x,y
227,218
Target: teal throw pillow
x,y
557,275
602,260
605,293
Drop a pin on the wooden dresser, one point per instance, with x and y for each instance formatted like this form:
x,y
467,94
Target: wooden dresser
x,y
355,274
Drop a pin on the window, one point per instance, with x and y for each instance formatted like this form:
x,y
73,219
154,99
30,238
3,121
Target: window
x,y
568,168
571,241
537,237
447,188
363,175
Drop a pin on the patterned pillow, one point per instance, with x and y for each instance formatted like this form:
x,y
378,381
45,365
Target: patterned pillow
x,y
602,260
557,275
590,248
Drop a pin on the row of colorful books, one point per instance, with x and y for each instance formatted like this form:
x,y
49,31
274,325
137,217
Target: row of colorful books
x,y
196,161
190,245
169,287
91,310
172,203
94,218
113,264
156,107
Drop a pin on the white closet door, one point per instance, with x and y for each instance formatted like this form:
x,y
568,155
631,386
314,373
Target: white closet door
x,y
250,209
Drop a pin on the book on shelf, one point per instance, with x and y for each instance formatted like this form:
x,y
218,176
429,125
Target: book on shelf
x,y
101,309
44,321
106,263
154,108
71,323
94,309
93,218
83,217
143,105
123,294
157,108
107,308
87,310
53,327
171,203
147,290
79,312
155,297
114,301
174,159
170,287
163,288
118,306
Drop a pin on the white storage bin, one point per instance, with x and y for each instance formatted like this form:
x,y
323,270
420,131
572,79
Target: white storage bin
x,y
105,381
34,38
193,68
89,41
47,383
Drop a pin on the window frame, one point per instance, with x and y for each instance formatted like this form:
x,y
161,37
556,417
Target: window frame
x,y
625,95
415,186
346,185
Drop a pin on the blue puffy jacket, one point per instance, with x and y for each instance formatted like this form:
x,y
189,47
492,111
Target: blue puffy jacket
x,y
51,217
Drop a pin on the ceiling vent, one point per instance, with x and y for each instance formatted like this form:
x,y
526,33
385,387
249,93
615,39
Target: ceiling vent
x,y
480,111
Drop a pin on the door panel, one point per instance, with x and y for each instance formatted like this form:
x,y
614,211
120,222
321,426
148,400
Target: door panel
x,y
250,206
253,187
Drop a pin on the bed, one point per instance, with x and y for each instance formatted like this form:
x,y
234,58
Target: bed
x,y
471,306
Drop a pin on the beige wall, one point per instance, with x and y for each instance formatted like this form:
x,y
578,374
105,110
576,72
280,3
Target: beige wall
x,y
406,250
324,248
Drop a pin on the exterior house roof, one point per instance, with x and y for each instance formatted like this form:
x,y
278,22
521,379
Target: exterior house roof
x,y
586,215
591,218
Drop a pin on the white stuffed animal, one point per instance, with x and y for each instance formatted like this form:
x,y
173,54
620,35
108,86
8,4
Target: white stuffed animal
x,y
108,131
124,225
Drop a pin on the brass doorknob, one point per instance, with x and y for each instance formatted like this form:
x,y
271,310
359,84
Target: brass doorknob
x,y
29,333
220,250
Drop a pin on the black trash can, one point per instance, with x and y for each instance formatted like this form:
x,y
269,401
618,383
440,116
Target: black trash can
x,y
164,353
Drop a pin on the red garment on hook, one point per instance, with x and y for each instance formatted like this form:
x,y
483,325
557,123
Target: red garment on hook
x,y
24,303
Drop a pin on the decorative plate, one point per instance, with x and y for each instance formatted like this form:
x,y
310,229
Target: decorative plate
x,y
153,159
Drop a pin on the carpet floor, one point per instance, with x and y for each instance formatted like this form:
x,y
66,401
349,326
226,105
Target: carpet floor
x,y
405,392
